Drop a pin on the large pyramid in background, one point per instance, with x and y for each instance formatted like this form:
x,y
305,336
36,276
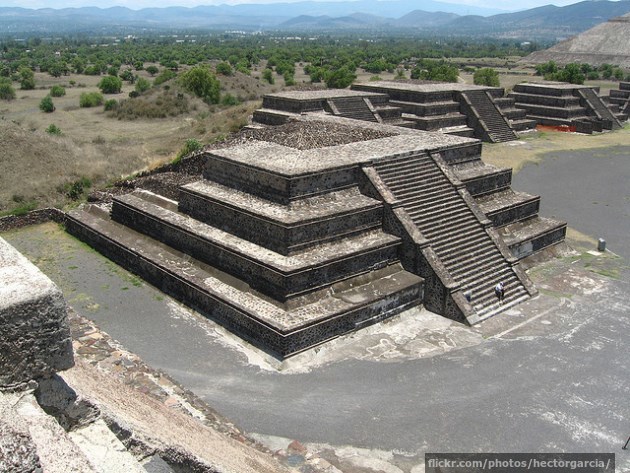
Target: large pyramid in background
x,y
606,43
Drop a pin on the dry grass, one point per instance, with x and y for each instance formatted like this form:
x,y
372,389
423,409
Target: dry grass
x,y
94,145
533,145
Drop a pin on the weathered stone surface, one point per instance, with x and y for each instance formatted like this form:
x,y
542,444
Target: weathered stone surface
x,y
44,445
34,333
17,452
153,427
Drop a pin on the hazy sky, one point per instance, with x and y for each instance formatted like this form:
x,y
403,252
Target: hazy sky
x,y
138,4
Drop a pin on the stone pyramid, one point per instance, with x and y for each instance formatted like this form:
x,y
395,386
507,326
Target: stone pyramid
x,y
606,43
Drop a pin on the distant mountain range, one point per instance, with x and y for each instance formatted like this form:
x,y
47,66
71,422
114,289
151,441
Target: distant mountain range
x,y
407,16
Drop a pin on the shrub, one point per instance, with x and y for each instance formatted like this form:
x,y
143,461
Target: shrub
x,y
57,91
486,76
152,70
229,100
90,99
110,85
110,105
224,69
154,104
142,85
7,92
53,129
190,146
23,209
47,105
75,190
268,76
164,76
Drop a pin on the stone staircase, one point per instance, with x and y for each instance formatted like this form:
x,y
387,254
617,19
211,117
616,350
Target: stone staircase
x,y
489,117
356,108
602,112
454,231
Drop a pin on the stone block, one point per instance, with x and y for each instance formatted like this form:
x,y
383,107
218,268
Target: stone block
x,y
34,332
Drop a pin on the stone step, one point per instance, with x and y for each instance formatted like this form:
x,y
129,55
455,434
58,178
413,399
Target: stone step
x,y
282,228
459,244
429,182
446,207
523,124
486,278
279,276
439,221
463,131
478,265
475,252
487,304
404,180
424,196
412,165
392,163
426,109
526,237
507,206
420,212
460,224
277,328
485,295
415,194
496,308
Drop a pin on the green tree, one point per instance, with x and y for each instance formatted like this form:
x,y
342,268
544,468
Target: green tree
x,y
27,78
56,69
486,76
435,70
128,76
110,85
152,70
200,81
339,78
46,105
572,73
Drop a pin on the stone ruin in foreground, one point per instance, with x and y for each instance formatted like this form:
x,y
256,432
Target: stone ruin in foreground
x,y
327,224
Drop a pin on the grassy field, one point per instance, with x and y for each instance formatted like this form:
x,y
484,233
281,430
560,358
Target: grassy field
x,y
93,145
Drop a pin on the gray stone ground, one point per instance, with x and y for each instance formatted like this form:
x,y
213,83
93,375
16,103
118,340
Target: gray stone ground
x,y
593,193
551,375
